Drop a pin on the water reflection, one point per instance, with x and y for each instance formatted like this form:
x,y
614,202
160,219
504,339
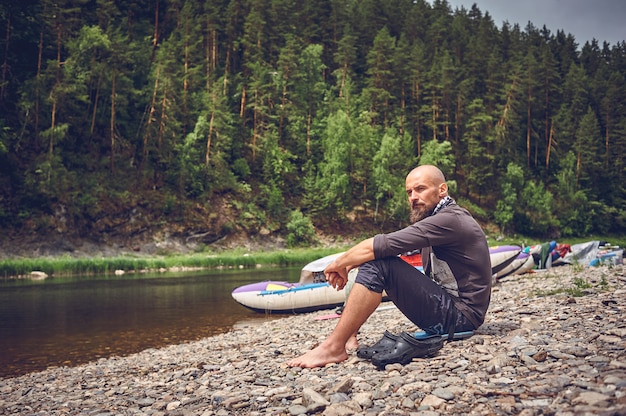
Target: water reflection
x,y
67,321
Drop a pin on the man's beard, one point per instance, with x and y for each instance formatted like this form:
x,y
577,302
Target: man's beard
x,y
418,214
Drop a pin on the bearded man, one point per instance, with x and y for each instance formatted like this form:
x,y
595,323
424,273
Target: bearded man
x,y
450,296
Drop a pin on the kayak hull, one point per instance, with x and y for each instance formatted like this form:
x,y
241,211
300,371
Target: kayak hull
x,y
284,297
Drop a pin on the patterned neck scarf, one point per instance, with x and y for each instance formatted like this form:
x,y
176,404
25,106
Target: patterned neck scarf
x,y
445,201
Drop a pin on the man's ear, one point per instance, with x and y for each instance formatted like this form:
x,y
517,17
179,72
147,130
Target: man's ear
x,y
443,190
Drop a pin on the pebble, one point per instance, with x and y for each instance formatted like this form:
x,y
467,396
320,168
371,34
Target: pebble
x,y
545,348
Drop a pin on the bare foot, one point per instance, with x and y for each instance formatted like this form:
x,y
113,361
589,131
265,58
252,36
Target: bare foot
x,y
352,344
319,357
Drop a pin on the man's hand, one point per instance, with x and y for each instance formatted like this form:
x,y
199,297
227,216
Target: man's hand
x,y
337,272
336,280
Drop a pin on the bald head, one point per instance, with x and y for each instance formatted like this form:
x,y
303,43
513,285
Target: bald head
x,y
429,173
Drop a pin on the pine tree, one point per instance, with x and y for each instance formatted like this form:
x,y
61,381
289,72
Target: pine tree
x,y
532,89
380,81
389,168
310,88
333,183
479,161
550,80
586,147
417,78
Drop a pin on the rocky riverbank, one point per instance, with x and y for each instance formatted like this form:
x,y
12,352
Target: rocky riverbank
x,y
553,343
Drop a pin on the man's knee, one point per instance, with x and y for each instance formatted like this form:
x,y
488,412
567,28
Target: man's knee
x,y
371,276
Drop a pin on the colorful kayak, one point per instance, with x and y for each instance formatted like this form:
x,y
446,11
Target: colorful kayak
x,y
310,294
285,297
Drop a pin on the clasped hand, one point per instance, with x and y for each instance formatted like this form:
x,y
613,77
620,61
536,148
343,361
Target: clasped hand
x,y
336,277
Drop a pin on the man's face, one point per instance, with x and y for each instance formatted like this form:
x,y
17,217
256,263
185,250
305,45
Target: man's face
x,y
423,193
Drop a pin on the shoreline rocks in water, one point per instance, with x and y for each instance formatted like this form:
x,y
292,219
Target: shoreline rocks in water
x,y
554,342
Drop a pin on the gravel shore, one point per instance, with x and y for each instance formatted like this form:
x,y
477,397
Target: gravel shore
x,y
553,343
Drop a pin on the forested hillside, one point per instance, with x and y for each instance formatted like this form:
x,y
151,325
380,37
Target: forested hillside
x,y
215,116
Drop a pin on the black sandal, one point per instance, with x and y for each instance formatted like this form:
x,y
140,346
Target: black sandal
x,y
408,347
384,344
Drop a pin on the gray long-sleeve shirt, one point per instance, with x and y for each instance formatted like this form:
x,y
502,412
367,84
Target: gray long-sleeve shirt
x,y
455,254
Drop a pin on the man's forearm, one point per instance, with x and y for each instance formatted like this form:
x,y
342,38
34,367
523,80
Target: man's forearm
x,y
357,255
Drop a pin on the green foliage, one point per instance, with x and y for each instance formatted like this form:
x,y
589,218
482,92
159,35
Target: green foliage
x,y
387,178
599,218
241,168
574,209
379,91
273,204
392,163
277,161
440,154
4,136
477,212
250,216
194,173
480,159
333,183
510,186
535,215
323,109
586,147
301,232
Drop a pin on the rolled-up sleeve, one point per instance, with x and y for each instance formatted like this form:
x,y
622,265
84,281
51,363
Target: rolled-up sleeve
x,y
380,246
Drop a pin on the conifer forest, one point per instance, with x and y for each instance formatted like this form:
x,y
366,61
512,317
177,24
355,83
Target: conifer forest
x,y
292,114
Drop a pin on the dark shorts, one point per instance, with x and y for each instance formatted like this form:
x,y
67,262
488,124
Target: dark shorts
x,y
419,298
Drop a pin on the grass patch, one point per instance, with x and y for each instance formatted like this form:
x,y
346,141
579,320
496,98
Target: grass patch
x,y
580,287
69,266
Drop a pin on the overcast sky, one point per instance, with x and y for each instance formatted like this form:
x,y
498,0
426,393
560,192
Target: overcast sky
x,y
604,20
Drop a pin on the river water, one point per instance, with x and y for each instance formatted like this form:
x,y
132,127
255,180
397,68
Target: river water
x,y
64,321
